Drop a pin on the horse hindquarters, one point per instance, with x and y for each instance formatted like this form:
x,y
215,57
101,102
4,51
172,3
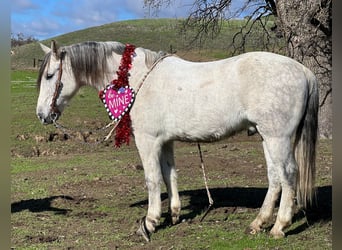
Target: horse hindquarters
x,y
296,176
291,167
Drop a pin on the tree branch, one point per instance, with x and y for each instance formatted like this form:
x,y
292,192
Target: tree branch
x,y
251,31
329,91
272,7
207,17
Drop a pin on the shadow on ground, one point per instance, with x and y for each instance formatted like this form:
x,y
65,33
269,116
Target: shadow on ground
x,y
231,198
39,205
320,211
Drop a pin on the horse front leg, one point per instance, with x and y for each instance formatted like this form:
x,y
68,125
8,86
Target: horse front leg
x,y
170,178
149,149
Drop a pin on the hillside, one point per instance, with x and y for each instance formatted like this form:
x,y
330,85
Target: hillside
x,y
154,34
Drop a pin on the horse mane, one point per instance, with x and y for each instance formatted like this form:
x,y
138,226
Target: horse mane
x,y
89,60
151,57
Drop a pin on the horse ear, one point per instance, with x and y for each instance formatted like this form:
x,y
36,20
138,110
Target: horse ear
x,y
46,49
54,49
56,52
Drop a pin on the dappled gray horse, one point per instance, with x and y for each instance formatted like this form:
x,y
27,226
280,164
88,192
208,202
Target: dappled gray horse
x,y
201,102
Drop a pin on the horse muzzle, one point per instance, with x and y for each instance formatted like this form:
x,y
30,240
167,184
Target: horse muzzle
x,y
51,118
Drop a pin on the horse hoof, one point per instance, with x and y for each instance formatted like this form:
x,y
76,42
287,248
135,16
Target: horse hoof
x,y
277,234
142,230
252,231
175,220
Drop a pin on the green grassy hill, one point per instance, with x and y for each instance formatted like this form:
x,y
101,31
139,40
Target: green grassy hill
x,y
154,34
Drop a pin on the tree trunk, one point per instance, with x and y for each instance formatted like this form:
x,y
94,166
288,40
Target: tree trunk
x,y
306,26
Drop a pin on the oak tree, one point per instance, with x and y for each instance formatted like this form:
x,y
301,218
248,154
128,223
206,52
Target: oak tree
x,y
305,26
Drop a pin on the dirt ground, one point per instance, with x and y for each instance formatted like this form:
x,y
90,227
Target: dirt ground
x,y
98,199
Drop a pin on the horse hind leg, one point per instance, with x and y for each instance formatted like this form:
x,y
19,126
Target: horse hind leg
x,y
288,176
266,210
281,154
170,178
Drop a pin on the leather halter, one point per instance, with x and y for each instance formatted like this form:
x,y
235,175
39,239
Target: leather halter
x,y
58,84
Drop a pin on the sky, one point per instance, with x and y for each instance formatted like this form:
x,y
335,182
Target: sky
x,y
43,19
46,19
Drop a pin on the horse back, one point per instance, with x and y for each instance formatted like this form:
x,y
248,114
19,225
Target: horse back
x,y
208,101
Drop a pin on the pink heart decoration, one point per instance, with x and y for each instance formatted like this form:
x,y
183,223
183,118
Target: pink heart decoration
x,y
118,102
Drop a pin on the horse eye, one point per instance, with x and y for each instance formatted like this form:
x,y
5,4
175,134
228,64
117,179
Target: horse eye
x,y
49,76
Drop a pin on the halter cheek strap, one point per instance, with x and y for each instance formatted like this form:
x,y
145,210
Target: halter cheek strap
x,y
58,85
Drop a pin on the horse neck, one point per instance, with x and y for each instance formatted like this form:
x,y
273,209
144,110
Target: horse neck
x,y
139,69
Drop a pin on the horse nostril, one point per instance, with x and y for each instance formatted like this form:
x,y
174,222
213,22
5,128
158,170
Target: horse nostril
x,y
53,116
42,118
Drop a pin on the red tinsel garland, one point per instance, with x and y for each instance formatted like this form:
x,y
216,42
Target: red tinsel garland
x,y
123,129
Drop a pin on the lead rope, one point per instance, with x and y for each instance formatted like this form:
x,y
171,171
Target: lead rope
x,y
210,199
69,131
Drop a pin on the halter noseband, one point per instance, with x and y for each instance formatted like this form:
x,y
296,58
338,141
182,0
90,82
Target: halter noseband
x,y
53,106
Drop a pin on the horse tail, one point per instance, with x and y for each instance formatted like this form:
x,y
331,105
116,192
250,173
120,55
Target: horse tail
x,y
305,144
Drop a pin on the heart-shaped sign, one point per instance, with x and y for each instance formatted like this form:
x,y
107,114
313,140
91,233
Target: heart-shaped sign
x,y
118,102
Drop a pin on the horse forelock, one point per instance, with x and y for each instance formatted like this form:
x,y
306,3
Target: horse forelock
x,y
42,68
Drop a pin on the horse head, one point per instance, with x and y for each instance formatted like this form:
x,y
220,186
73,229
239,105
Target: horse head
x,y
56,83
